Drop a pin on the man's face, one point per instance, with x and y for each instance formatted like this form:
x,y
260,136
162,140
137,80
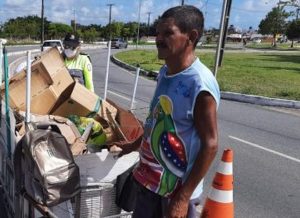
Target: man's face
x,y
170,41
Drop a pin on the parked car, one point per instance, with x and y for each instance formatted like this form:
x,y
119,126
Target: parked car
x,y
52,43
118,43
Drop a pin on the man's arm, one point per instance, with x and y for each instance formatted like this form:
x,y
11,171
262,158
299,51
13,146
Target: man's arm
x,y
205,118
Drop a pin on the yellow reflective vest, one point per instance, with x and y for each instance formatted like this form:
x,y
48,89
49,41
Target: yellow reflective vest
x,y
81,70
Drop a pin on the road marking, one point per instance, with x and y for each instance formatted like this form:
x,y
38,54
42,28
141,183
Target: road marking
x,y
266,149
121,96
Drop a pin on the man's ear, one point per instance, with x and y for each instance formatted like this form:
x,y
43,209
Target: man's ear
x,y
193,36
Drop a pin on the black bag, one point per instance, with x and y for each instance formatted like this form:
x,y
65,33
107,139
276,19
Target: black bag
x,y
45,167
126,190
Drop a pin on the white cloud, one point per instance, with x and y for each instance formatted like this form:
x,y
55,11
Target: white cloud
x,y
260,5
14,3
243,12
249,5
85,11
147,6
236,18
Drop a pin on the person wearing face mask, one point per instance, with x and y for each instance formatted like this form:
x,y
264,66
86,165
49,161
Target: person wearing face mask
x,y
78,64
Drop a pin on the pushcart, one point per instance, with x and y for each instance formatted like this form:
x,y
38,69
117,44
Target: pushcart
x,y
98,173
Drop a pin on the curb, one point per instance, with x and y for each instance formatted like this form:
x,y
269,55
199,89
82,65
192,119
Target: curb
x,y
126,66
252,99
260,100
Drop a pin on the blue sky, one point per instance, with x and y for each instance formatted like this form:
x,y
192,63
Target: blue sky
x,y
244,13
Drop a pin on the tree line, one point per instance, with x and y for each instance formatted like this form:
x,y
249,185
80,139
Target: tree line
x,y
277,21
29,28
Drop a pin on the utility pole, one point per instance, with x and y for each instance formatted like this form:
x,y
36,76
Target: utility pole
x,y
221,33
109,20
74,11
227,14
148,24
138,30
42,22
108,53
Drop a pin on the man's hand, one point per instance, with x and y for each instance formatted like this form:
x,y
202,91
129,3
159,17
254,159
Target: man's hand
x,y
178,206
115,150
121,148
125,147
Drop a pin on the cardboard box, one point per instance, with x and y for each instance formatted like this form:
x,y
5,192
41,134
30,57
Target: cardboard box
x,y
78,100
49,78
117,123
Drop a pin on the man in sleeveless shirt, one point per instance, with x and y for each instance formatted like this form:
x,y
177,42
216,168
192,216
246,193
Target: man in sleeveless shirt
x,y
180,138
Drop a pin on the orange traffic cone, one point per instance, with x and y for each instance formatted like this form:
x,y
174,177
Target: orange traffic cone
x,y
219,203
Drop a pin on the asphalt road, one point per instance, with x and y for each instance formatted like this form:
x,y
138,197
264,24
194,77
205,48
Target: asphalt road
x,y
266,144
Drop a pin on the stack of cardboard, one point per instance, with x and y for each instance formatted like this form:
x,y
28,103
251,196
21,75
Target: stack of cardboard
x,y
53,91
49,78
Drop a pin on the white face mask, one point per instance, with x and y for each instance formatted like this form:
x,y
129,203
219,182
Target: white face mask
x,y
70,53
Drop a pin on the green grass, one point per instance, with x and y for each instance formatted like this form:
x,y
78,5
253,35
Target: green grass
x,y
271,75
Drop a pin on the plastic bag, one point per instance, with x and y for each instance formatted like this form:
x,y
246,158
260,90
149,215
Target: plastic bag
x,y
97,137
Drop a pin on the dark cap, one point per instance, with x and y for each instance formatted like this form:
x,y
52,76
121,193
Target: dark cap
x,y
71,40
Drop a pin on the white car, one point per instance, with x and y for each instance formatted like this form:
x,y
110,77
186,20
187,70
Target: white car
x,y
118,43
3,41
52,43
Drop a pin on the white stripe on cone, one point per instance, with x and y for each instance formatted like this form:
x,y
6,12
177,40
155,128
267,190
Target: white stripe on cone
x,y
221,196
225,168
